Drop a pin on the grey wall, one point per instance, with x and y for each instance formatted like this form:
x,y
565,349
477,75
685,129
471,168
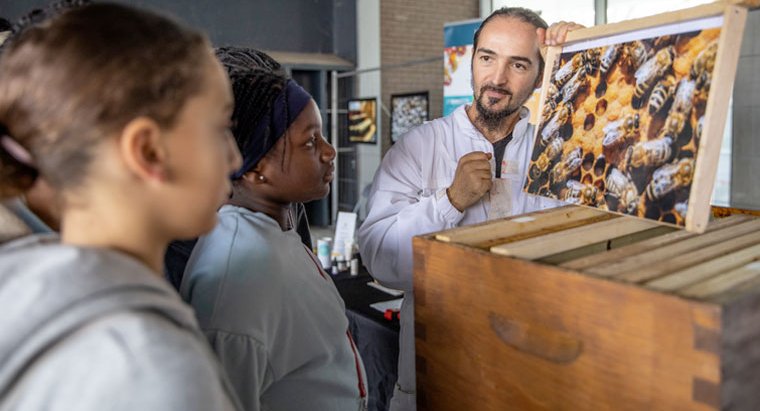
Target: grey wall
x,y
310,26
745,164
344,29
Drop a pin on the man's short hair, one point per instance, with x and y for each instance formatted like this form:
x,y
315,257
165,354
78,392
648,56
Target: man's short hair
x,y
520,13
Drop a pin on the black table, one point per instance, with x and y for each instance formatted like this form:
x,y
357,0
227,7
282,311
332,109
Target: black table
x,y
375,337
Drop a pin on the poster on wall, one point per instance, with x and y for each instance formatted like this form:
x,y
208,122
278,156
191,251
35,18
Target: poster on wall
x,y
632,115
457,57
408,111
362,120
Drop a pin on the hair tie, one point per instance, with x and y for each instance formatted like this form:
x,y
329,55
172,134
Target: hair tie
x,y
14,149
17,164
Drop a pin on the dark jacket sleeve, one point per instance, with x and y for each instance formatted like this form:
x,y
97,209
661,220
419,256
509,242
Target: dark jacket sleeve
x,y
175,260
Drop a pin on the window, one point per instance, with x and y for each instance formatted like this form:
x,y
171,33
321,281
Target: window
x,y
619,10
721,195
579,11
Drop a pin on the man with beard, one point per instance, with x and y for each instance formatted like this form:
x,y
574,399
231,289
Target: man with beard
x,y
438,174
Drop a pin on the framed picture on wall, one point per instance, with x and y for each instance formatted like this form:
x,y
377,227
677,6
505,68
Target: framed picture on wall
x,y
408,111
633,114
362,120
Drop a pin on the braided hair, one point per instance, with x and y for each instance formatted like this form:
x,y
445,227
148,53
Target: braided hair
x,y
257,80
242,60
38,16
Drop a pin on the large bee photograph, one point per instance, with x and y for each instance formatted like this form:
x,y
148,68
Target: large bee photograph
x,y
622,118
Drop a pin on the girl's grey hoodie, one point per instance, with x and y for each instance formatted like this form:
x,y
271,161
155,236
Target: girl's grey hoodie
x,y
94,329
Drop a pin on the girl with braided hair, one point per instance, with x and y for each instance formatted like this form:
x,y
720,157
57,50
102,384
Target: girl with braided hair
x,y
240,62
125,114
272,315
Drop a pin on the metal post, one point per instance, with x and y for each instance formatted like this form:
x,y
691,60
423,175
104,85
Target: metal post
x,y
600,15
486,7
334,110
334,142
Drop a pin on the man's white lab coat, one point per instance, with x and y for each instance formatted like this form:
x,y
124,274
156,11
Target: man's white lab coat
x,y
408,198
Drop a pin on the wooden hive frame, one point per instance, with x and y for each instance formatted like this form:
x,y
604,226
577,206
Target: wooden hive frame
x,y
708,146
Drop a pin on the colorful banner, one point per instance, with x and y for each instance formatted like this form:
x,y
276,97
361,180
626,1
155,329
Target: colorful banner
x,y
457,56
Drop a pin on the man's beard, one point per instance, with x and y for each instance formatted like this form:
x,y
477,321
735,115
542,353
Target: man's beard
x,y
492,119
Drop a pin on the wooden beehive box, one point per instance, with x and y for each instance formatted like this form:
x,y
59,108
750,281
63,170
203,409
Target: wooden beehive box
x,y
577,309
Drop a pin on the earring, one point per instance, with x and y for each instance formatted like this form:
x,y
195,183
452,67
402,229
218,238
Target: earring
x,y
261,178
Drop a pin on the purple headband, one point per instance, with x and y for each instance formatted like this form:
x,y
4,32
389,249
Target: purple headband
x,y
284,111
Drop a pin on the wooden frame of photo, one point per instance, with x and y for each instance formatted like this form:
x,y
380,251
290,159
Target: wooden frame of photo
x,y
362,120
596,114
415,120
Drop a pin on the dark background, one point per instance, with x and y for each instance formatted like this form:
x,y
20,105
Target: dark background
x,y
306,26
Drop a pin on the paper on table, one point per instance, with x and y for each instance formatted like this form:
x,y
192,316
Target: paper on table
x,y
345,230
386,290
388,305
